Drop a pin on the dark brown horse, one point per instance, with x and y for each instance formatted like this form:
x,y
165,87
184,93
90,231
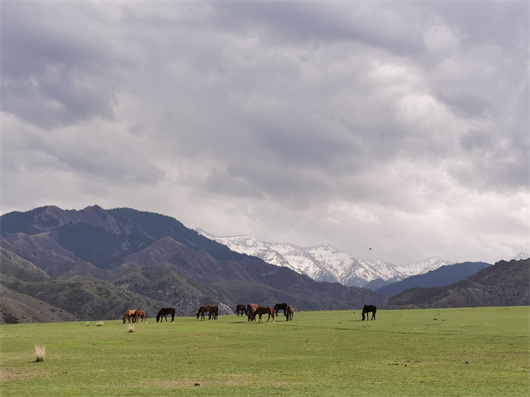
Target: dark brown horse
x,y
261,311
202,310
130,315
251,308
240,309
165,311
280,306
213,312
369,309
290,313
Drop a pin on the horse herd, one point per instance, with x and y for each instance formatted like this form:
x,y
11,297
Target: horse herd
x,y
251,311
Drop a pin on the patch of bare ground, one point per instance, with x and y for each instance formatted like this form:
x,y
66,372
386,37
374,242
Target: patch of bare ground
x,y
8,375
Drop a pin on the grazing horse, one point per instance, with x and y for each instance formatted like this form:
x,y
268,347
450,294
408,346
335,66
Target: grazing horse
x,y
165,311
261,311
251,308
202,310
213,313
280,306
290,313
130,314
140,314
240,309
369,309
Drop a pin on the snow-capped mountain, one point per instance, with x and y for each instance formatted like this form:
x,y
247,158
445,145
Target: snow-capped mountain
x,y
325,263
521,256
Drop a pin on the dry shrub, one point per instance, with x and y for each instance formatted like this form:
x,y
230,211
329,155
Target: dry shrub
x,y
40,353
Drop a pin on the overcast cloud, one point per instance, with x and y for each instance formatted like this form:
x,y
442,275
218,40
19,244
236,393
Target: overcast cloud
x,y
396,126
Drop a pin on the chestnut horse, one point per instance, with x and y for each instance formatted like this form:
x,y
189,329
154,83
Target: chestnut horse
x,y
369,309
289,313
140,314
240,309
130,314
166,311
251,308
261,311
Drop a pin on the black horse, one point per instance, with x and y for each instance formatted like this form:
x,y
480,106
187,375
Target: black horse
x,y
280,306
165,311
369,309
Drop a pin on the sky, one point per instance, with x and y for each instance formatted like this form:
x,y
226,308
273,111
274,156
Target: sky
x,y
393,130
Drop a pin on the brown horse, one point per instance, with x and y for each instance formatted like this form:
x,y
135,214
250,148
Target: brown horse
x,y
140,314
261,311
240,309
129,314
289,313
251,308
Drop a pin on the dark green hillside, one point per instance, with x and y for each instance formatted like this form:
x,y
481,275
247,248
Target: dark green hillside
x,y
21,308
87,298
167,284
503,284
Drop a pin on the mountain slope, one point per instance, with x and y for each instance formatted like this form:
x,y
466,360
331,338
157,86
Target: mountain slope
x,y
503,284
444,275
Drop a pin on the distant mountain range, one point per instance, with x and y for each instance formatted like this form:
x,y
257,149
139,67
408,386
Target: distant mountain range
x,y
503,284
325,263
444,275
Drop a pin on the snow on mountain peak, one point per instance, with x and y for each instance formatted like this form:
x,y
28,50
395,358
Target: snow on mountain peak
x,y
521,256
324,262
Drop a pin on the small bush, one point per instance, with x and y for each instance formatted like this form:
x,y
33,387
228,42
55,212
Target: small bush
x,y
40,353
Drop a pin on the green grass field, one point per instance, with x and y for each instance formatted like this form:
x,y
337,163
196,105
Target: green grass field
x,y
437,352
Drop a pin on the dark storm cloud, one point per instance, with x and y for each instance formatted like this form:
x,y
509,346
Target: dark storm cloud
x,y
308,122
56,64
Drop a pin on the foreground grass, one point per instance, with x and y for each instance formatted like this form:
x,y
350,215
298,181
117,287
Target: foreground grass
x,y
439,352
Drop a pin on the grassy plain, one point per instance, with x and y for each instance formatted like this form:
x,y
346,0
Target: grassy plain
x,y
436,352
